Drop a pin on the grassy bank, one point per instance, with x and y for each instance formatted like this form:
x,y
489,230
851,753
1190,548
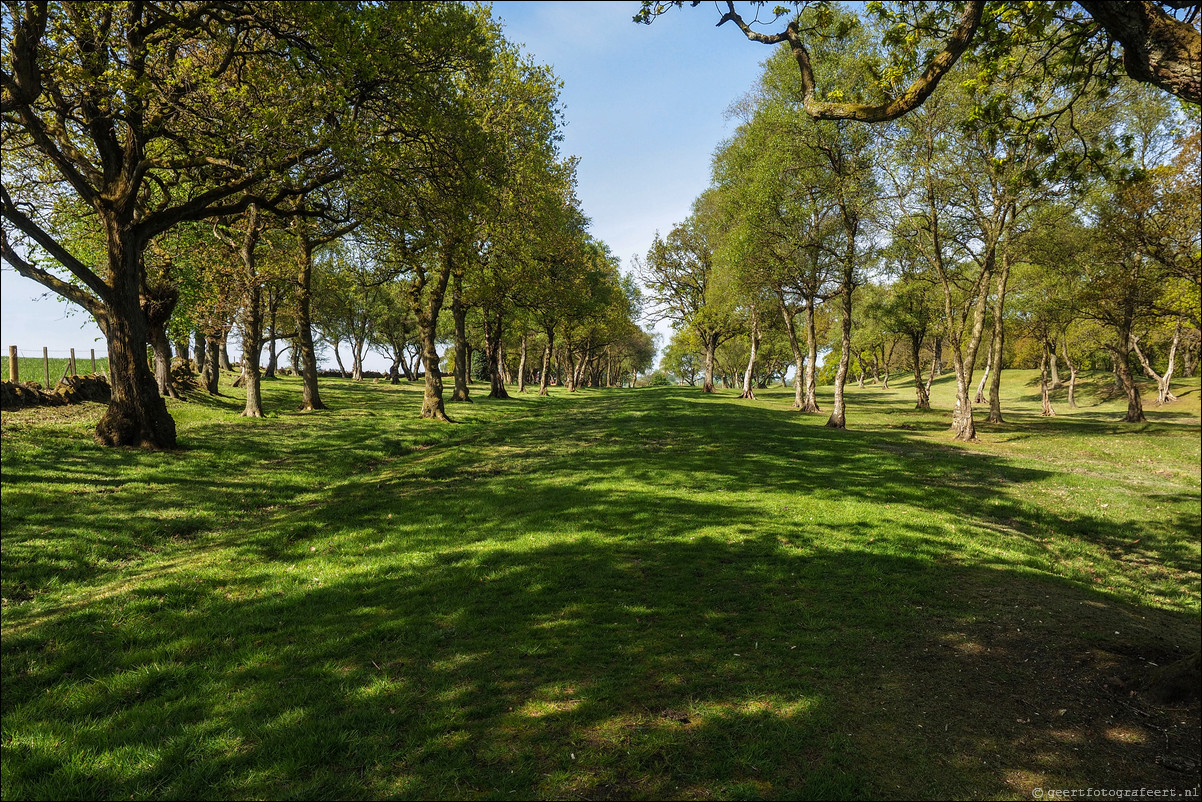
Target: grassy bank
x,y
647,594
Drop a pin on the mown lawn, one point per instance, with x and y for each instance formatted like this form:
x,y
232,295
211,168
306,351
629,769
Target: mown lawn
x,y
615,594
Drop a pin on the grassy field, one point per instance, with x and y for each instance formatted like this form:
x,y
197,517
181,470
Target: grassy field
x,y
615,594
32,369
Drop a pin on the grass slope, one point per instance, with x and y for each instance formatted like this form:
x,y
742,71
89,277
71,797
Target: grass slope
x,y
614,594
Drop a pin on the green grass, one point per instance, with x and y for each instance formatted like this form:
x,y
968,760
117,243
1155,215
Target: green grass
x,y
619,593
32,369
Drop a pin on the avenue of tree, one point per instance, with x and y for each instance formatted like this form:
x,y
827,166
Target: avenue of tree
x,y
1021,216
343,177
303,176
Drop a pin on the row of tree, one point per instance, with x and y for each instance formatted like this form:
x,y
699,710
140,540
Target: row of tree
x,y
1008,205
288,171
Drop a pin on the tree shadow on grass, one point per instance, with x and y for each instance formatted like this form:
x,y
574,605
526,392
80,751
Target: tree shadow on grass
x,y
594,670
728,602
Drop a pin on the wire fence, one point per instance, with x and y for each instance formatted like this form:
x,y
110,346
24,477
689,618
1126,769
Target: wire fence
x,y
49,366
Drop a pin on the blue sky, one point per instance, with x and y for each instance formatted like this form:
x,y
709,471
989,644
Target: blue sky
x,y
644,109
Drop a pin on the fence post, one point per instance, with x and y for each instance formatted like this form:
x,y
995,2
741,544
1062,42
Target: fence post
x,y
71,364
14,375
46,366
93,361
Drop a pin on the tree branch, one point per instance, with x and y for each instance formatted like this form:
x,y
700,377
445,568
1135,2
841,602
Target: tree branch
x,y
907,101
1157,48
35,232
52,282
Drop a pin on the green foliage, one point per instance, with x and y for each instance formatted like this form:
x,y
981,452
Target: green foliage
x,y
658,379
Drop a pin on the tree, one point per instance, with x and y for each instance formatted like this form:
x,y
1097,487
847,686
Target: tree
x,y
922,43
910,310
966,188
677,271
348,291
129,109
394,334
777,220
157,114
683,357
419,182
245,247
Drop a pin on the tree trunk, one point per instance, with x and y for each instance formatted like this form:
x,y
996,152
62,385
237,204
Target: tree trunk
x,y
980,399
338,357
809,402
1044,360
211,377
1055,368
755,347
252,348
1164,392
838,418
710,342
923,398
427,323
199,340
162,362
931,374
158,303
999,339
544,374
522,366
492,350
888,362
273,306
1072,374
305,352
409,368
1121,354
798,359
1157,48
937,364
578,375
252,312
182,349
463,363
137,415
223,352
357,345
963,426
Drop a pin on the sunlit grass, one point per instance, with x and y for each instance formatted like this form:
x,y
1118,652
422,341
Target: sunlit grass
x,y
618,593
